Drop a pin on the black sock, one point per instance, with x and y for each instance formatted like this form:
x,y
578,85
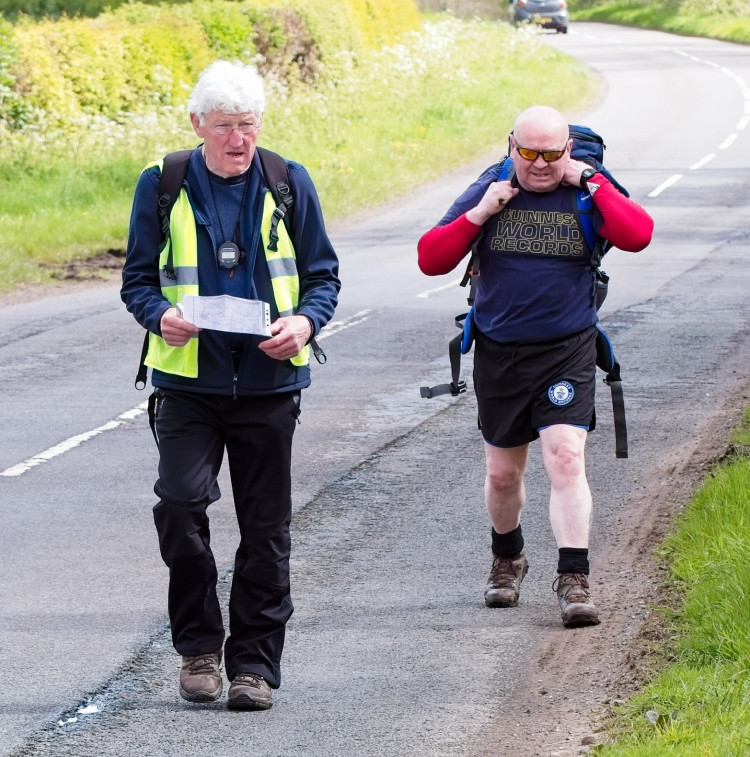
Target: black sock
x,y
507,545
573,560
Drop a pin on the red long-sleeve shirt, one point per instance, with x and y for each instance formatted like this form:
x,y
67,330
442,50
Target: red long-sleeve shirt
x,y
625,224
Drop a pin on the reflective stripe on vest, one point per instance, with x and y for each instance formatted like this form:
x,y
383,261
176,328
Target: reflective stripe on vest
x,y
282,266
180,361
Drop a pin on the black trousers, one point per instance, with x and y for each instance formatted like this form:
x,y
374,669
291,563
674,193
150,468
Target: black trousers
x,y
193,431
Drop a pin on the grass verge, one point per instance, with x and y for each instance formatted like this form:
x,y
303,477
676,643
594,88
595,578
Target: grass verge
x,y
699,704
665,16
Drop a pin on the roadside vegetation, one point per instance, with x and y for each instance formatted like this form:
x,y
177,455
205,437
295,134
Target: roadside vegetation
x,y
699,704
372,98
720,19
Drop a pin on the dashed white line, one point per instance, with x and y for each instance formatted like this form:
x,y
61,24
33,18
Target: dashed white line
x,y
702,162
429,292
743,122
73,442
346,323
76,441
665,185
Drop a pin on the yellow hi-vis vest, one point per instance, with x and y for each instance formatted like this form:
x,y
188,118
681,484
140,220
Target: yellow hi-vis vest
x,y
183,241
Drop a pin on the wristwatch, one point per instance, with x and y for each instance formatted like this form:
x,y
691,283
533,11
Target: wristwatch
x,y
586,174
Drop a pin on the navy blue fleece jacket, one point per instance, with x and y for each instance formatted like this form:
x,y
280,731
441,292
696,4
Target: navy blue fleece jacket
x,y
317,266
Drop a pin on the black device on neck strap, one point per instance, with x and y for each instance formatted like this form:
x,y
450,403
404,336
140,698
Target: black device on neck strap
x,y
229,254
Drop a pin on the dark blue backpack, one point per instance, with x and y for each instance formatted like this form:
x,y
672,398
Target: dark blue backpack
x,y
588,147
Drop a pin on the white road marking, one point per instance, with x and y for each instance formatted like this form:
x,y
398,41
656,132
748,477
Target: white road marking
x,y
73,442
665,185
336,326
76,441
702,162
430,292
729,140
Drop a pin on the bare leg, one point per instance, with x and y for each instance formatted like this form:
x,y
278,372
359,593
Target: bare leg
x,y
570,497
504,489
505,495
570,515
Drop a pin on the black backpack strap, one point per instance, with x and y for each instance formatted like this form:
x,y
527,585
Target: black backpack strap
x,y
456,386
170,182
614,382
276,172
605,359
460,344
141,376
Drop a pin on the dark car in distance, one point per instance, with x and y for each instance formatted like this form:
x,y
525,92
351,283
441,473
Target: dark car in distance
x,y
548,14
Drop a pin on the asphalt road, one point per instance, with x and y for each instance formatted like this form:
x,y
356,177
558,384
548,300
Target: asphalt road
x,y
390,650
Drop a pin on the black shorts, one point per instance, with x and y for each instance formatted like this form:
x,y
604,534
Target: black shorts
x,y
521,388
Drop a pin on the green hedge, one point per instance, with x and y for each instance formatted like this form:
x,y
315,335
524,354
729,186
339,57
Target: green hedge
x,y
139,55
58,8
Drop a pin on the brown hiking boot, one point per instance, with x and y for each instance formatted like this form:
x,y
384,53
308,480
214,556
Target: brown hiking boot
x,y
575,600
200,678
505,579
249,691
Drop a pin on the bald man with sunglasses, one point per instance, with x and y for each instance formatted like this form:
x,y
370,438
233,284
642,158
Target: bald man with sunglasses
x,y
535,332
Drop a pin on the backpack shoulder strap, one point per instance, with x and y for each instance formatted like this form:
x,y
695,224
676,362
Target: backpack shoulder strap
x,y
505,172
597,245
173,171
277,174
585,210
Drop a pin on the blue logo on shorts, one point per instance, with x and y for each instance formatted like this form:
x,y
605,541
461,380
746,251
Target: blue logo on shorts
x,y
561,393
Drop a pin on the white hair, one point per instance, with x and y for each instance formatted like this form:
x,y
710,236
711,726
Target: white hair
x,y
228,87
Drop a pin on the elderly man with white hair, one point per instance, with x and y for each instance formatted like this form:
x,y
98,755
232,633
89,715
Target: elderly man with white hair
x,y
216,390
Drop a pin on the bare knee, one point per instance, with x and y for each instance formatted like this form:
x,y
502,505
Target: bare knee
x,y
564,460
504,479
505,468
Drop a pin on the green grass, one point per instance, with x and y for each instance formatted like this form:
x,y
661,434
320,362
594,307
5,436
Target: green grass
x,y
699,704
373,129
691,19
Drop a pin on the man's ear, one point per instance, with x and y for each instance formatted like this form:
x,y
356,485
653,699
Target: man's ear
x,y
197,127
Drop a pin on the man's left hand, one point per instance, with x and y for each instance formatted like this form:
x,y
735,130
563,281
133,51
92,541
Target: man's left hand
x,y
288,336
573,170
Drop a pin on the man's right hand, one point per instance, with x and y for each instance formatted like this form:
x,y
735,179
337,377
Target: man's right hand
x,y
497,196
175,330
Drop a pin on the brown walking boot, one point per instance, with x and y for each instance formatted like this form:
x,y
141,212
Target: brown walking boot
x,y
504,582
575,600
200,678
249,691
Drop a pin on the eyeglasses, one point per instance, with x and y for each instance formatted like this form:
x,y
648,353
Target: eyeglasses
x,y
550,156
246,127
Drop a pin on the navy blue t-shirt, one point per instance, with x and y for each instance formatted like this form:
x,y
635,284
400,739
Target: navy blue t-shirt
x,y
535,281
